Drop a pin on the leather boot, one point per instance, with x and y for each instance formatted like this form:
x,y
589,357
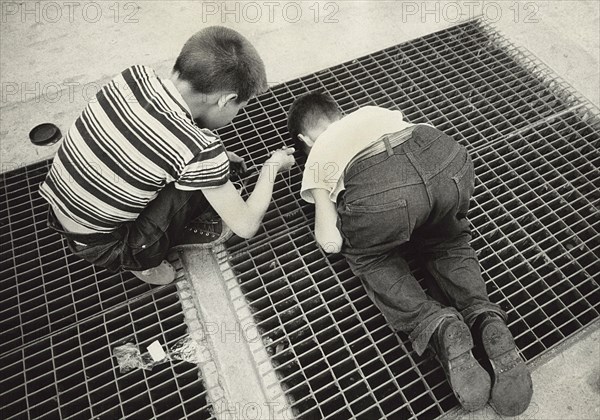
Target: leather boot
x,y
512,387
452,343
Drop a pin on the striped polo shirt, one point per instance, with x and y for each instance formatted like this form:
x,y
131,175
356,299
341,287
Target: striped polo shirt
x,y
134,138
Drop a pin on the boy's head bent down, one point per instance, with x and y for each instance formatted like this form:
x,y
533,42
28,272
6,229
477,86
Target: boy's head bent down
x,y
309,117
217,72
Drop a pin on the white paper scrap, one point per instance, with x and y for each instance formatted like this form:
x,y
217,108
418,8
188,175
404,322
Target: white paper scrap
x,y
156,351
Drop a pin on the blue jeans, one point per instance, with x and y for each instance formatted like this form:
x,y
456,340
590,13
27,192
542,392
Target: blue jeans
x,y
143,243
417,192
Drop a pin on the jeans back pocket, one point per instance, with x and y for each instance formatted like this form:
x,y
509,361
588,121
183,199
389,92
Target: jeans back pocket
x,y
376,220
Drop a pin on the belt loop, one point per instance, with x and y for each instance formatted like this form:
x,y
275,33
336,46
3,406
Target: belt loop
x,y
388,146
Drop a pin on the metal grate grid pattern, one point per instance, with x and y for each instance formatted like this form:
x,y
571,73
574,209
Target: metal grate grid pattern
x,y
43,286
534,143
468,81
61,318
537,228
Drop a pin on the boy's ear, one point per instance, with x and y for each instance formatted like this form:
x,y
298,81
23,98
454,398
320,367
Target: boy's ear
x,y
306,140
226,98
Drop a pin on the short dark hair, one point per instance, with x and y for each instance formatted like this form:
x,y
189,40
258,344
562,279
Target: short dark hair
x,y
306,111
220,59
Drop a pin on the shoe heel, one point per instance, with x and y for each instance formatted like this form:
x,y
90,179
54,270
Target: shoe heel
x,y
457,340
163,274
497,340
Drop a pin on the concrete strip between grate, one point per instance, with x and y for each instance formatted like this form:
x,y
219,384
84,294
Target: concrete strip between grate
x,y
232,343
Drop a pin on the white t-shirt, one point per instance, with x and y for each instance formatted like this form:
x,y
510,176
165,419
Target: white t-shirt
x,y
344,139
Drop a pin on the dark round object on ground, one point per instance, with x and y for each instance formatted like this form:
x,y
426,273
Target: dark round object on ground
x,y
45,134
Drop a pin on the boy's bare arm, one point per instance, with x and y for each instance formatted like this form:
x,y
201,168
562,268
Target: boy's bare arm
x,y
326,231
244,217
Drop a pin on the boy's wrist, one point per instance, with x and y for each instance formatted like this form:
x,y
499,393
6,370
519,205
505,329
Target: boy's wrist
x,y
271,169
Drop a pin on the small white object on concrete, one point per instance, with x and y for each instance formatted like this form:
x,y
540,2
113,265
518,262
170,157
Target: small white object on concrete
x,y
156,351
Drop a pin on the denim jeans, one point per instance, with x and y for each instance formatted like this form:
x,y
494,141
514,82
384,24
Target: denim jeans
x,y
143,243
417,192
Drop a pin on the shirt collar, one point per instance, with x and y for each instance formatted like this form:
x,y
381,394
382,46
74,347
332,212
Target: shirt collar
x,y
170,87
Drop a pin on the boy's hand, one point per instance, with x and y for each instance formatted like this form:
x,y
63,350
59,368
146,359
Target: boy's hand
x,y
283,158
237,164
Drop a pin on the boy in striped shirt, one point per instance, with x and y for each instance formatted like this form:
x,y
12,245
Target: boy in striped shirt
x,y
141,161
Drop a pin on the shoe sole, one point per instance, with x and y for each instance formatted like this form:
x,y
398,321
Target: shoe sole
x,y
163,274
512,387
469,381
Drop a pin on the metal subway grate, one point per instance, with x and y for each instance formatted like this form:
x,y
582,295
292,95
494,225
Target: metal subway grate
x,y
534,142
61,318
537,229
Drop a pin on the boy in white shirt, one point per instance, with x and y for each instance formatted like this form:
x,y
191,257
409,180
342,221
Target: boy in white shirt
x,y
377,182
